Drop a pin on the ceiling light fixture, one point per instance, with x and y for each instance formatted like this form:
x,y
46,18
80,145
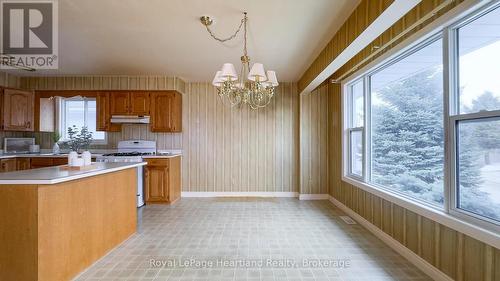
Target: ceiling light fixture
x,y
254,86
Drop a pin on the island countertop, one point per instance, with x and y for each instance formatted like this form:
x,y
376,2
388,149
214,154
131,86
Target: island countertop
x,y
54,175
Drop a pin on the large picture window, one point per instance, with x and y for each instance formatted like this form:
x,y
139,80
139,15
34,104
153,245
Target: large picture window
x,y
407,134
399,113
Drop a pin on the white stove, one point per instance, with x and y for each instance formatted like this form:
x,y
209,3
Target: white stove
x,y
132,151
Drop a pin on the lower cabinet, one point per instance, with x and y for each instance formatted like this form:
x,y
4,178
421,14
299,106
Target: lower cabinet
x,y
42,162
23,164
162,179
8,165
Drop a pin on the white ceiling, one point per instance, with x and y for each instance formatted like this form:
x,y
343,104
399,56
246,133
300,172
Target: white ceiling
x,y
158,37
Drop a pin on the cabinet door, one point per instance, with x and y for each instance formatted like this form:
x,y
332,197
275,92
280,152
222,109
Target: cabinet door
x,y
139,103
23,164
156,179
102,108
166,112
175,112
8,165
18,110
119,103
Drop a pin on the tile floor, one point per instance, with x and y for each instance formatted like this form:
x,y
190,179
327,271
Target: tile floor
x,y
250,239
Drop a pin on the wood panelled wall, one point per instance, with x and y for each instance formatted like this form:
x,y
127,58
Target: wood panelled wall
x,y
457,255
240,149
9,80
366,12
224,149
314,144
104,83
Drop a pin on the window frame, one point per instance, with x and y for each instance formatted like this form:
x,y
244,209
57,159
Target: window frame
x,y
455,117
352,129
482,228
61,117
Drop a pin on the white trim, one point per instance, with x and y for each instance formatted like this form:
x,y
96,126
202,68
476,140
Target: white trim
x,y
238,194
481,234
382,23
415,259
314,196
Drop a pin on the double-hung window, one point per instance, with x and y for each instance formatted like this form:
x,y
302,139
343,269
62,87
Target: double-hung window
x,y
79,112
356,124
475,115
398,114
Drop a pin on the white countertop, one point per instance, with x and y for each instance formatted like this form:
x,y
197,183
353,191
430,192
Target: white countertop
x,y
53,175
37,155
161,156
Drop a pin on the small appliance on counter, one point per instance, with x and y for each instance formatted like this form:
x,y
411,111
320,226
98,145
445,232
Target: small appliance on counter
x,y
19,145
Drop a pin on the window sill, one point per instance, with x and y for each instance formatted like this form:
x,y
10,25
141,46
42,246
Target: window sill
x,y
440,216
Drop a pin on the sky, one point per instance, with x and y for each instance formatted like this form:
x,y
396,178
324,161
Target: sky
x,y
480,72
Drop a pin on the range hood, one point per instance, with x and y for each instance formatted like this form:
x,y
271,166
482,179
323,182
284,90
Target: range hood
x,y
133,119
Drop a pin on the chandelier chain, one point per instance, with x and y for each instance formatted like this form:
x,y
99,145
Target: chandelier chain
x,y
222,40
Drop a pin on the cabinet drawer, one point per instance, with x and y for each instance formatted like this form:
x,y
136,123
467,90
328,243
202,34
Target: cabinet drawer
x,y
157,161
57,161
39,162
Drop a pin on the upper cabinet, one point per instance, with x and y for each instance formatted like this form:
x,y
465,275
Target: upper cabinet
x,y
139,103
166,112
103,117
120,103
17,110
129,103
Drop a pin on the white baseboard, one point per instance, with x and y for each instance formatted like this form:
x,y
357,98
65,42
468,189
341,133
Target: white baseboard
x,y
415,259
238,194
313,196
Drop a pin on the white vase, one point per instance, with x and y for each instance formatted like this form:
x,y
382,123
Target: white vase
x,y
55,148
87,157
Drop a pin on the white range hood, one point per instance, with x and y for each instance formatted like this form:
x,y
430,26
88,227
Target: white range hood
x,y
133,119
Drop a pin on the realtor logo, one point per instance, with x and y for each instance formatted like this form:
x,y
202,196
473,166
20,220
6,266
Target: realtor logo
x,y
29,34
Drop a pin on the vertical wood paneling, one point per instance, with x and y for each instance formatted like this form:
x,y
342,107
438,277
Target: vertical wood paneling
x,y
314,146
9,80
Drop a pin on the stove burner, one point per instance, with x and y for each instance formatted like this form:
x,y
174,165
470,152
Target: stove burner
x,y
135,153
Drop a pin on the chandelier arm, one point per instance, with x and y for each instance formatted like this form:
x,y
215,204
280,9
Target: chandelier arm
x,y
222,40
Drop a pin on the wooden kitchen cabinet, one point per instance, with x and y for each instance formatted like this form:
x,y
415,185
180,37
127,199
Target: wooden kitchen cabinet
x,y
23,164
8,165
166,112
129,103
41,162
18,110
120,103
103,114
139,103
162,179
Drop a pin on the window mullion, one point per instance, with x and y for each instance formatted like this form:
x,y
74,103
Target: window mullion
x,y
367,130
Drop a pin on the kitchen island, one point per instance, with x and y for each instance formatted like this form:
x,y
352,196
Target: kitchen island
x,y
55,223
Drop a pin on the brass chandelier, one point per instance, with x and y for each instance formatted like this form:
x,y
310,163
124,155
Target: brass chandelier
x,y
254,86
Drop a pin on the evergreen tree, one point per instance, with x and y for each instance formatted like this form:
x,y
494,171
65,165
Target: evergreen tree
x,y
407,135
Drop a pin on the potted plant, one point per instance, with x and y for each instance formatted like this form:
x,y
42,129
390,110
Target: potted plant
x,y
55,138
79,140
